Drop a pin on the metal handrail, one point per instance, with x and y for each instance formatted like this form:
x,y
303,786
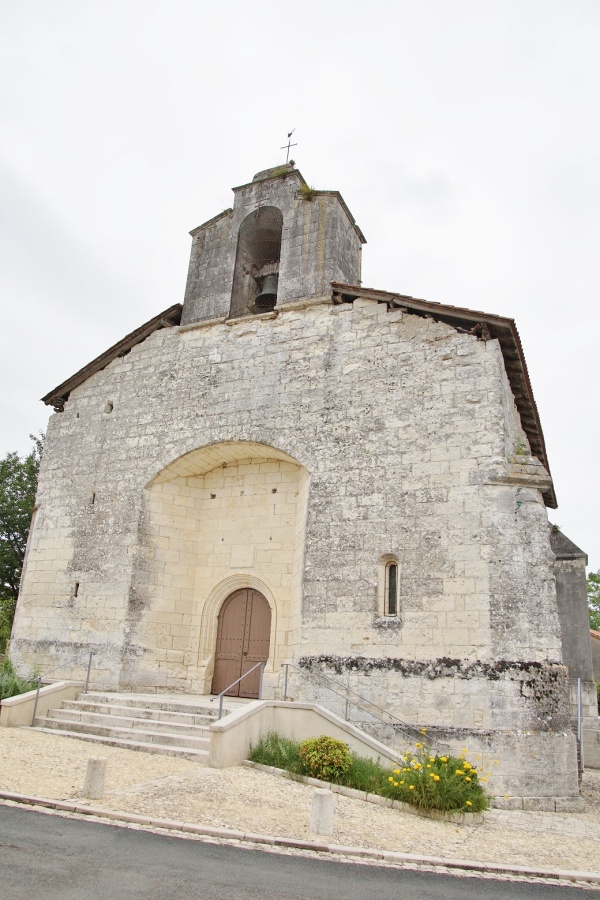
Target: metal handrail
x,y
397,724
580,759
39,681
237,681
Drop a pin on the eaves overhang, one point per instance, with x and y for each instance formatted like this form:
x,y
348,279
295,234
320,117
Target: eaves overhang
x,y
504,330
166,319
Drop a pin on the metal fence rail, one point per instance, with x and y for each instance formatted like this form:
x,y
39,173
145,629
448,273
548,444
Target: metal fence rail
x,y
62,665
353,698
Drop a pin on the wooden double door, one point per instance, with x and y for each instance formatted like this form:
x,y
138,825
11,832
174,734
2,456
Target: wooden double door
x,y
242,641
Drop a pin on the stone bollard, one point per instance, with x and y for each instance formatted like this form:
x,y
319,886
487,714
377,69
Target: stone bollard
x,y
93,786
321,812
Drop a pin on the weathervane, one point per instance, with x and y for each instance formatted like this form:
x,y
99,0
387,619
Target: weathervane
x,y
288,145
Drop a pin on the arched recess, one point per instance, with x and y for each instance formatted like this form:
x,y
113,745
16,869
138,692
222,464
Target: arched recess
x,y
224,516
256,270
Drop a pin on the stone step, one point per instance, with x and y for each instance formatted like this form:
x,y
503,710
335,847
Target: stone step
x,y
139,712
140,736
143,701
104,715
164,749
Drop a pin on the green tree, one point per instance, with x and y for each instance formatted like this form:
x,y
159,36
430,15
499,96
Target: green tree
x,y
18,485
593,592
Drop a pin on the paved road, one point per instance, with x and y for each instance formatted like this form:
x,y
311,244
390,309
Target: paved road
x,y
47,857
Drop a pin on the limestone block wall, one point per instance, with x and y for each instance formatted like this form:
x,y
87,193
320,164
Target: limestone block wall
x,y
402,432
215,529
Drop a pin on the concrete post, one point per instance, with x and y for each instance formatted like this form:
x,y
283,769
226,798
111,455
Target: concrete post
x,y
321,813
93,786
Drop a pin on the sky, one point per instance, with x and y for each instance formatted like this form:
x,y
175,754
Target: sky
x,y
464,136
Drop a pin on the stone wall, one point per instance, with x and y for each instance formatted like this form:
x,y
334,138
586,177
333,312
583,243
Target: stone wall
x,y
384,433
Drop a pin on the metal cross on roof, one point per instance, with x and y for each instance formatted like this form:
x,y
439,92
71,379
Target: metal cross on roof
x,y
288,145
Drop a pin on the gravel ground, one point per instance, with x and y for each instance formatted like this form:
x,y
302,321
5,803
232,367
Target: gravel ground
x,y
51,766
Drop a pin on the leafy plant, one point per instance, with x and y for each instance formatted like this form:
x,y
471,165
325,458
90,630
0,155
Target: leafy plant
x,y
521,449
18,485
10,683
326,758
431,781
275,750
306,192
593,594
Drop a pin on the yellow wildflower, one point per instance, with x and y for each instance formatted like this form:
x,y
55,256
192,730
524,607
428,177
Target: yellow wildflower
x,y
401,782
390,778
506,796
423,731
419,746
496,761
436,777
432,759
459,772
469,803
431,775
411,787
395,784
483,778
396,771
467,778
428,765
444,758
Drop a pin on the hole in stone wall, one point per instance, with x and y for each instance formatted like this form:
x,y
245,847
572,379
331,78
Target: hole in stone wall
x,y
76,589
109,406
213,496
273,490
93,499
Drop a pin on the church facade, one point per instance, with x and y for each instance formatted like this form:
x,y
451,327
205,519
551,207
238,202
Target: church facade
x,y
292,468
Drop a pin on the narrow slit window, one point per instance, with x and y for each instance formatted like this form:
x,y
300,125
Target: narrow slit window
x,y
392,589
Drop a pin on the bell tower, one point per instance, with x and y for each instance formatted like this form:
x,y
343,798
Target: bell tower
x,y
283,242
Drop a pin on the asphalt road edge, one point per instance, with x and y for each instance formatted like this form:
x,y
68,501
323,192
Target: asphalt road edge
x,y
388,856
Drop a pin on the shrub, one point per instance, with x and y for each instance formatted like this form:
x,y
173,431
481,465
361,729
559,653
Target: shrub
x,y
437,782
10,683
326,758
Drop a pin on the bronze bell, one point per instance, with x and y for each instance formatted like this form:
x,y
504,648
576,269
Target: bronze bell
x,y
268,296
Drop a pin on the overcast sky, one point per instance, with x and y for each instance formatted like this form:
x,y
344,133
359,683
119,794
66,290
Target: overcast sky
x,y
464,137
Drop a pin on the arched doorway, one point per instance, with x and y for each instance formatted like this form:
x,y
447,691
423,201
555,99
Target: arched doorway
x,y
242,641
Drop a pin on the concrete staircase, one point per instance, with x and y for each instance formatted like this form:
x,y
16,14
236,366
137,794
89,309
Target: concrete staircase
x,y
174,725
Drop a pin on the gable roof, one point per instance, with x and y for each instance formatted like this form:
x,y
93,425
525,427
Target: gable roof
x,y
485,325
58,396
